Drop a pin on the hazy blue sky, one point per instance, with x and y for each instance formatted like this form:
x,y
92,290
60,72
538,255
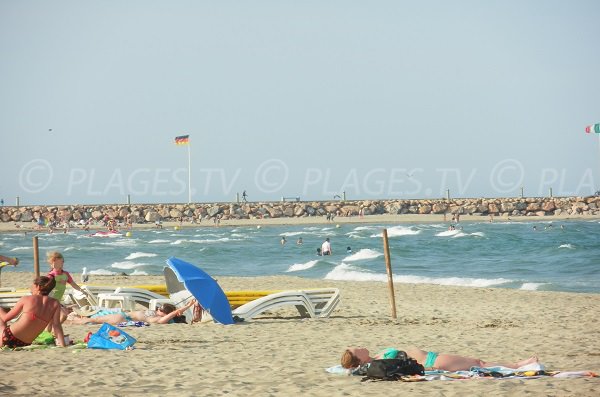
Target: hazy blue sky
x,y
379,99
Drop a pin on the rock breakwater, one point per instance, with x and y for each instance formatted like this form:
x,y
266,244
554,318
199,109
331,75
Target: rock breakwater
x,y
143,213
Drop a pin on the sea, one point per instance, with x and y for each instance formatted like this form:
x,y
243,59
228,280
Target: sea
x,y
537,255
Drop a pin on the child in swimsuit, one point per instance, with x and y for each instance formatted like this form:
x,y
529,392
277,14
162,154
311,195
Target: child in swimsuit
x,y
62,277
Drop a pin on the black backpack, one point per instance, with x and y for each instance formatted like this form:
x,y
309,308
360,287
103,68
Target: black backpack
x,y
392,368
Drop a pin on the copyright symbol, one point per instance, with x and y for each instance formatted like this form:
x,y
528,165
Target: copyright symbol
x,y
35,176
507,175
271,175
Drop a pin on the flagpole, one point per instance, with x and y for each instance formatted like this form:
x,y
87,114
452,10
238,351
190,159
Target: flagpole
x,y
189,173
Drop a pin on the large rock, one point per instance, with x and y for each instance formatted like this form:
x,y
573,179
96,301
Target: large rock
x,y
26,216
439,208
175,213
213,211
548,206
275,212
288,212
425,209
97,215
299,211
493,208
152,216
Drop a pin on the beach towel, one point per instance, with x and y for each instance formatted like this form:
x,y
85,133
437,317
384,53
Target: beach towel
x,y
132,323
530,371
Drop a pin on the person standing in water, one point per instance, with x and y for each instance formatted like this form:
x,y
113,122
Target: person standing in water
x,y
326,247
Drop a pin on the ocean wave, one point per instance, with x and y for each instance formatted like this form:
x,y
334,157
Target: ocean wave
x,y
569,246
159,241
345,272
399,231
531,286
290,234
363,254
354,235
122,243
302,266
359,228
448,233
21,248
204,241
127,265
239,235
102,272
462,234
135,255
137,272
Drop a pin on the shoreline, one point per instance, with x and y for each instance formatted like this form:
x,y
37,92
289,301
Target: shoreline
x,y
315,220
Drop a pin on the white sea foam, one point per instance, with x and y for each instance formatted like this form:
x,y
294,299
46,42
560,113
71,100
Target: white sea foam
x,y
531,286
69,249
102,272
21,248
158,241
346,272
204,241
290,234
363,254
448,233
122,243
137,272
359,228
301,266
569,246
354,235
459,234
127,265
136,255
399,231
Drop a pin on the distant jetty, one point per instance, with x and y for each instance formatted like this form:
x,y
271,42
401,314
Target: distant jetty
x,y
143,213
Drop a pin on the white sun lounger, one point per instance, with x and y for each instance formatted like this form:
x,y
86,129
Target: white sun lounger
x,y
143,296
314,303
9,299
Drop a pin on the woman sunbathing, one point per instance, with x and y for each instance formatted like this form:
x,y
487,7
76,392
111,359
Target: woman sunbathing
x,y
36,312
356,356
162,315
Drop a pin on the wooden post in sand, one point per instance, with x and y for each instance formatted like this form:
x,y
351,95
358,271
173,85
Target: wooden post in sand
x,y
36,257
388,269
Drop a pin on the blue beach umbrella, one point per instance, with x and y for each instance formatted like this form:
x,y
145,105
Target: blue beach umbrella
x,y
204,288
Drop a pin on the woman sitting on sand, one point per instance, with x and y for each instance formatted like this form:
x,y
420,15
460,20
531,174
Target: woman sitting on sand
x,y
356,356
36,312
162,315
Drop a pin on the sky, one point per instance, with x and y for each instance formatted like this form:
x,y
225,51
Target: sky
x,y
312,99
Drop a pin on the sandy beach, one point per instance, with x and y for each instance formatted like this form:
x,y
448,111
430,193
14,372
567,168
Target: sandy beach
x,y
282,354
